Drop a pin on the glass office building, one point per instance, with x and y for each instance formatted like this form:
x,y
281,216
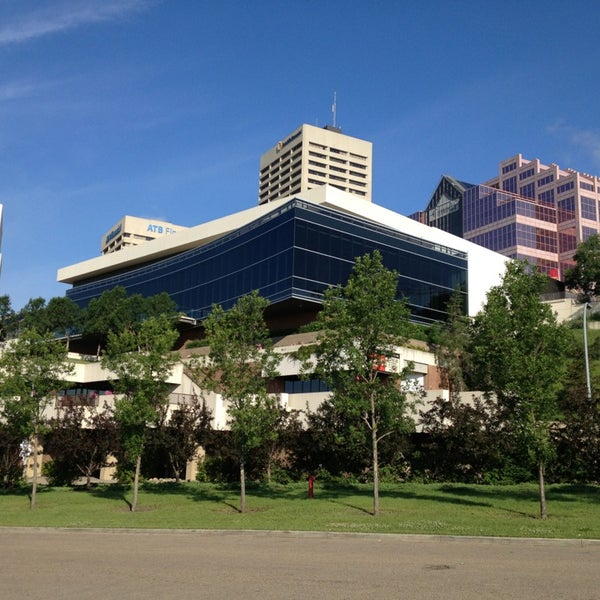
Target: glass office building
x,y
530,211
294,252
445,209
512,225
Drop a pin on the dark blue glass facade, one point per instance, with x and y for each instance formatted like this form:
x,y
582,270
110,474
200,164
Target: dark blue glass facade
x,y
294,252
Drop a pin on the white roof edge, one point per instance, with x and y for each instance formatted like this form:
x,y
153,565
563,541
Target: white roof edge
x,y
485,266
186,239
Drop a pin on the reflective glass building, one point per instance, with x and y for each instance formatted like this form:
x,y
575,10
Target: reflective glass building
x,y
290,251
531,211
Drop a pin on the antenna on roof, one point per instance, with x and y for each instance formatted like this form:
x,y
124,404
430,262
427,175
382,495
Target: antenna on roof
x,y
334,109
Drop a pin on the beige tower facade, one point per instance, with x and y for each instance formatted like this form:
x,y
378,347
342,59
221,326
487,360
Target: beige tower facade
x,y
312,156
132,231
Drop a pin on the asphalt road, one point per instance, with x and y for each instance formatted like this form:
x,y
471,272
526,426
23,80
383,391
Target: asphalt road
x,y
69,564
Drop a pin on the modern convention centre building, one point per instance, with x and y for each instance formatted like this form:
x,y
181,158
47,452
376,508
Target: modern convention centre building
x,y
291,250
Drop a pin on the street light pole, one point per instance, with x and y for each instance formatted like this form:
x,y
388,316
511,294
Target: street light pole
x,y
587,358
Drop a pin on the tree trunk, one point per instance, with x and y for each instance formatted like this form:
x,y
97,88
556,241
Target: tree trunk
x,y
543,511
269,462
136,482
35,473
375,459
242,487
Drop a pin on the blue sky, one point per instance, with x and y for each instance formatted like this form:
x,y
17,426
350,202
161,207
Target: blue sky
x,y
161,109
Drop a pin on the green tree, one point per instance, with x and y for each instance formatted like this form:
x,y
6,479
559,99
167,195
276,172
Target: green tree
x,y
33,315
63,316
520,354
451,346
240,363
178,435
7,317
114,311
584,277
141,361
467,442
81,439
361,327
32,370
579,434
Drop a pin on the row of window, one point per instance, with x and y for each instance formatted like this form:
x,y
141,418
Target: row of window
x,y
565,187
545,266
528,190
588,208
546,180
310,386
518,234
338,152
299,250
547,197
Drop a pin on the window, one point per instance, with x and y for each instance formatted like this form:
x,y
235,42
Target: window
x,y
567,242
510,185
588,208
299,386
509,168
546,197
526,174
527,191
566,209
545,180
586,186
565,187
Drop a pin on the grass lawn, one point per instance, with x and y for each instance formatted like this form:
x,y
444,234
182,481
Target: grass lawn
x,y
440,509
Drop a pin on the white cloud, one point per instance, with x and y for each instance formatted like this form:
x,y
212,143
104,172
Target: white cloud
x,y
60,17
16,89
586,140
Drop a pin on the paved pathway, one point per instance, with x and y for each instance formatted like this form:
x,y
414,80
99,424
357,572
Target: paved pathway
x,y
82,564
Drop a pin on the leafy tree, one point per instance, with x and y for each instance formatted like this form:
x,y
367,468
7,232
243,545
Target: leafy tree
x,y
113,312
584,277
7,317
277,450
12,426
180,434
579,434
520,353
32,370
466,441
81,440
240,363
451,346
336,441
62,316
33,315
362,325
141,361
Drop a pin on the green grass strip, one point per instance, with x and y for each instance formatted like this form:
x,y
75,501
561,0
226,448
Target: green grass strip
x,y
439,509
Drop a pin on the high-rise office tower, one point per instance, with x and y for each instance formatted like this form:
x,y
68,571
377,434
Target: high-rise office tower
x,y
311,156
529,211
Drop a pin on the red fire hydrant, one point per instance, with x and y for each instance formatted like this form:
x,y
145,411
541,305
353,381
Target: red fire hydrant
x,y
311,486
